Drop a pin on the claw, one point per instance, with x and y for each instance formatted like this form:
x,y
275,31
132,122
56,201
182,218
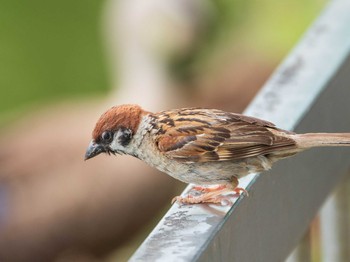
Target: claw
x,y
181,199
241,190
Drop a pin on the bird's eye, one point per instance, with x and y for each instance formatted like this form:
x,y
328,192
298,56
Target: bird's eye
x,y
107,136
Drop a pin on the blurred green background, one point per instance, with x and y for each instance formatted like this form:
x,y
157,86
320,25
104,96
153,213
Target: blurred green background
x,y
53,50
49,50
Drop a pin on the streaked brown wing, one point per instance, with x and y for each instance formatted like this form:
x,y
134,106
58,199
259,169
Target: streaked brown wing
x,y
203,135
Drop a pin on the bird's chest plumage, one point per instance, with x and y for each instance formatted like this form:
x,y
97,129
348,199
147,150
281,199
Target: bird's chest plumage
x,y
149,153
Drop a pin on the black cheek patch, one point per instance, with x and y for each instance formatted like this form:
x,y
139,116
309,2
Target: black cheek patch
x,y
125,137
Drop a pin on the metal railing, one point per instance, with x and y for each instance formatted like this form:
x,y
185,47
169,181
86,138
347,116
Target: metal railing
x,y
309,92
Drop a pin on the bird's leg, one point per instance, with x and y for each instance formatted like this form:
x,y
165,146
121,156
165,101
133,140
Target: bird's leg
x,y
215,197
213,194
233,186
209,189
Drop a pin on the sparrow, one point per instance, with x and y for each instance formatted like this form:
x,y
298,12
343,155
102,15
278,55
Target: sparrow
x,y
206,147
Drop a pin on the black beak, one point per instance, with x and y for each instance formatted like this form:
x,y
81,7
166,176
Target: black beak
x,y
94,150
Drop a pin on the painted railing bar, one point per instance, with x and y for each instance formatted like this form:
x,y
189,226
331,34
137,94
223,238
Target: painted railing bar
x,y
335,224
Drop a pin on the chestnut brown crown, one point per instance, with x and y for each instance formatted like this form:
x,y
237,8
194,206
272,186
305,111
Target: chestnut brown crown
x,y
125,116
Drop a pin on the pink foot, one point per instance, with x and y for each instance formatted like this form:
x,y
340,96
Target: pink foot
x,y
237,190
209,189
205,198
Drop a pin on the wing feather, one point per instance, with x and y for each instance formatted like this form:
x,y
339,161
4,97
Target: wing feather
x,y
204,135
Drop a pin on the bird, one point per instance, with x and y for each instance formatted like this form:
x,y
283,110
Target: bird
x,y
209,148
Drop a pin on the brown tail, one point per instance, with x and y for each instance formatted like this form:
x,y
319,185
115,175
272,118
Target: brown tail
x,y
309,140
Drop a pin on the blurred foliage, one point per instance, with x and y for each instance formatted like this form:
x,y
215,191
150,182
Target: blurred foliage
x,y
51,50
267,27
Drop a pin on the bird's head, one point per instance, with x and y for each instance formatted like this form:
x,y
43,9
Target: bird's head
x,y
114,130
